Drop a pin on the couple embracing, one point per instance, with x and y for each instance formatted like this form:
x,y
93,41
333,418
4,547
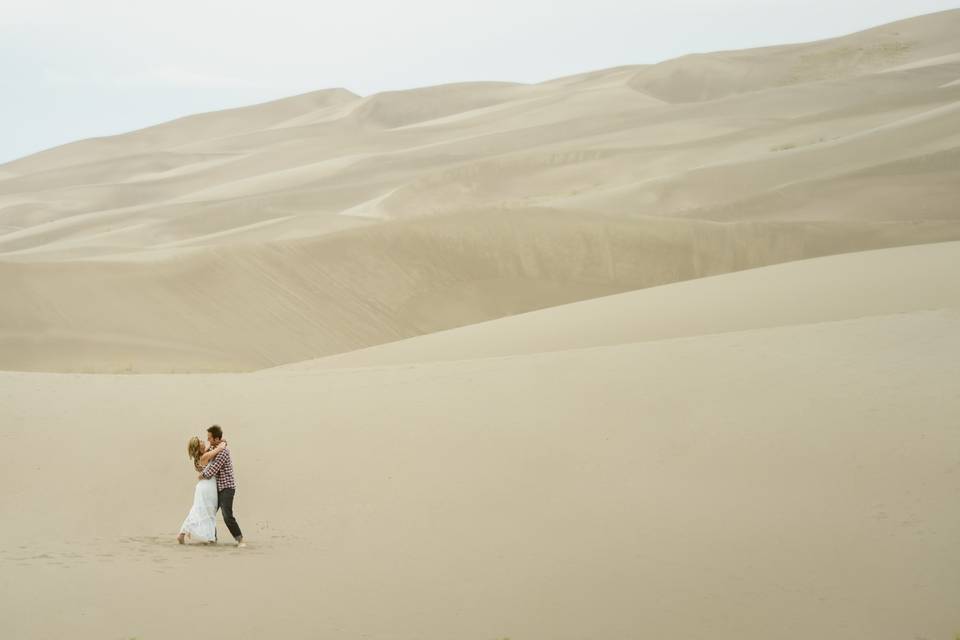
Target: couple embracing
x,y
215,490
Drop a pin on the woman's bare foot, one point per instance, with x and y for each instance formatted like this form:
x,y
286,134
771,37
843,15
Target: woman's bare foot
x,y
180,538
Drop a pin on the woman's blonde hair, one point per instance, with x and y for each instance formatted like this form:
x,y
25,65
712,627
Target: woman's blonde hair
x,y
194,450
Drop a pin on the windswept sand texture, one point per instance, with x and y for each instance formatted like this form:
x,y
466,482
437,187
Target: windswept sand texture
x,y
664,351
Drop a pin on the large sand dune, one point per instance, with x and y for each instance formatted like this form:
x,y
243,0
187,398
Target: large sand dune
x,y
293,218
664,351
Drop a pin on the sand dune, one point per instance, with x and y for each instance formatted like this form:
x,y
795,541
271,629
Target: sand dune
x,y
602,141
902,45
478,200
830,289
196,310
639,488
183,131
659,351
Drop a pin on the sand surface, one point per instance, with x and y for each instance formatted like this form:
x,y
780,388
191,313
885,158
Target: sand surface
x,y
330,222
665,351
791,481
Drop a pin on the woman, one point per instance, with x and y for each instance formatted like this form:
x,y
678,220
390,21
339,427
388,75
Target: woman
x,y
201,522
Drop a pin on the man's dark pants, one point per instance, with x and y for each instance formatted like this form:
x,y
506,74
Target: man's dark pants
x,y
225,502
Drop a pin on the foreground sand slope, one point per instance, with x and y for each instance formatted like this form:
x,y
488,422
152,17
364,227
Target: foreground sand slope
x,y
784,482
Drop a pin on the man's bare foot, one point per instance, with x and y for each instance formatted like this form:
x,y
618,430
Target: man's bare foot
x,y
180,538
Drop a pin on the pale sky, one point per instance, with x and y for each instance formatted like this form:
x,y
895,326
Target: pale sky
x,y
76,69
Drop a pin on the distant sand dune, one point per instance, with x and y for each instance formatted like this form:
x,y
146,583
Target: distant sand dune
x,y
328,222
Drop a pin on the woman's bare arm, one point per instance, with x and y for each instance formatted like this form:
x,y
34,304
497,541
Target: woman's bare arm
x,y
210,455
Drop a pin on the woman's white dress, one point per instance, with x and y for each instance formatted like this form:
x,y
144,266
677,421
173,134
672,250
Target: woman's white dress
x,y
201,522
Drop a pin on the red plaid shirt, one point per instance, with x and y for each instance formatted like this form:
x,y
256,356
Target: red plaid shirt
x,y
222,467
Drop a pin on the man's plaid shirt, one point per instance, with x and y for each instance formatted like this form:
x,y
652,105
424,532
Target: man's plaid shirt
x,y
222,467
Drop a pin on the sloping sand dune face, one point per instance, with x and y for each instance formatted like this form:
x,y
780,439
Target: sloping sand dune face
x,y
842,287
243,307
293,219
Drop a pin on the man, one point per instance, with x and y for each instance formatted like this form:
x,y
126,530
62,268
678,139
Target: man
x,y
222,467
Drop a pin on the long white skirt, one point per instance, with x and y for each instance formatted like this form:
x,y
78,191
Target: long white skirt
x,y
201,522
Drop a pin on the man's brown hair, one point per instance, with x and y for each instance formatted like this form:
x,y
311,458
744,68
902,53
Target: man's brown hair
x,y
216,432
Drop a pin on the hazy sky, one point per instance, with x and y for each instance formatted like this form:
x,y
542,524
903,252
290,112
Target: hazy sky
x,y
80,68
